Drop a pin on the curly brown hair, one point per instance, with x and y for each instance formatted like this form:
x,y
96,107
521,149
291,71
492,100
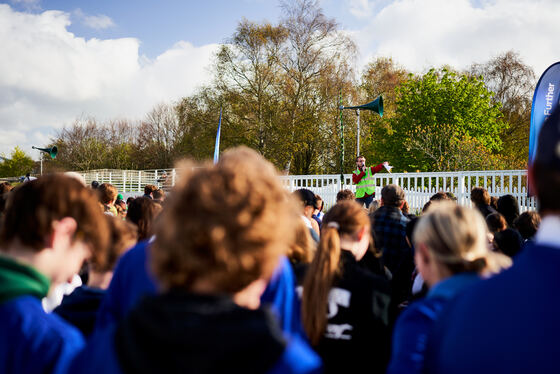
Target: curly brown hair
x,y
225,224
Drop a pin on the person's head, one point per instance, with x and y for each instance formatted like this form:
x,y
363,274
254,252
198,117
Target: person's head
x,y
307,199
142,212
479,196
405,208
149,189
508,242
5,187
94,185
158,194
508,206
494,202
56,220
123,236
360,162
496,222
319,204
451,239
345,194
224,228
348,223
527,224
373,207
410,226
129,200
303,247
121,207
438,196
392,195
451,196
107,193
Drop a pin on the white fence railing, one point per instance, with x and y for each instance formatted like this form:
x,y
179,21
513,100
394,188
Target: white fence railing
x,y
418,186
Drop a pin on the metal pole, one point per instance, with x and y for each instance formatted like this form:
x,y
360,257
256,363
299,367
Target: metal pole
x,y
358,134
341,142
41,164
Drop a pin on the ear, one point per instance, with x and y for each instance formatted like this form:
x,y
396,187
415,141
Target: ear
x,y
423,253
62,231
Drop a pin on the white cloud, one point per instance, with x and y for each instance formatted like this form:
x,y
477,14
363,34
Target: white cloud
x,y
97,22
360,8
423,33
49,77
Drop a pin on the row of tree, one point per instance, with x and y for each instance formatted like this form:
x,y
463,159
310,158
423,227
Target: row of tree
x,y
280,86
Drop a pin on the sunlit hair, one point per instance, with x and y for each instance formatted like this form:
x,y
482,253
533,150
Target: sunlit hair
x,y
123,236
107,193
480,196
143,211
457,237
345,218
225,225
33,207
302,249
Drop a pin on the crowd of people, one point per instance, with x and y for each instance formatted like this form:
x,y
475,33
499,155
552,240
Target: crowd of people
x,y
228,272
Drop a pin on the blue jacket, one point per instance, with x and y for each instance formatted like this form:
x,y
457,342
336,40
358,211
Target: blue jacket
x,y
507,324
132,280
32,341
415,323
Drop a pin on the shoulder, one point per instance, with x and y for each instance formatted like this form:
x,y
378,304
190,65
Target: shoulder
x,y
99,355
38,339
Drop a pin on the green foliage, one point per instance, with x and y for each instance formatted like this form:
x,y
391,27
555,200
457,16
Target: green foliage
x,y
17,164
435,113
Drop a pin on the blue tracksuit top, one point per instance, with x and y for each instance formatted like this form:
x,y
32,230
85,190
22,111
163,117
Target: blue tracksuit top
x,y
32,341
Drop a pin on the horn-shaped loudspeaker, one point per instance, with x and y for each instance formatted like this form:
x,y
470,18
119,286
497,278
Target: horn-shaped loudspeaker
x,y
375,106
52,151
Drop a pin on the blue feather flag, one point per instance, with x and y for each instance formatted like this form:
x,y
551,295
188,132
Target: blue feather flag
x,y
217,146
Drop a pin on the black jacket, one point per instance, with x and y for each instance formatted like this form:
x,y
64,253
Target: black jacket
x,y
357,336
80,308
179,332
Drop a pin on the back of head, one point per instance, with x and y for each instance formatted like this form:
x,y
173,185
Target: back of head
x,y
527,224
345,218
33,207
392,195
545,169
344,195
107,193
142,211
508,206
307,197
439,196
149,188
496,222
225,225
303,247
123,236
158,194
480,196
508,242
457,237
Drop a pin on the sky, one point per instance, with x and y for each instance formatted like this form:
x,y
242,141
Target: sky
x,y
66,59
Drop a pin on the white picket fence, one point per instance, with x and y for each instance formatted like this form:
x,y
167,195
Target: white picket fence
x,y
418,186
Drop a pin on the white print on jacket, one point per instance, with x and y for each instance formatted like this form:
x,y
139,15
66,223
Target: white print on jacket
x,y
338,297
